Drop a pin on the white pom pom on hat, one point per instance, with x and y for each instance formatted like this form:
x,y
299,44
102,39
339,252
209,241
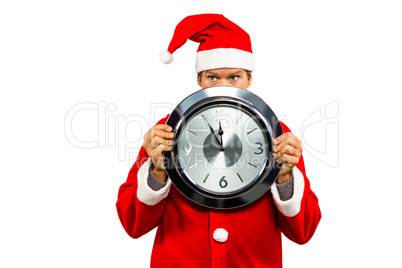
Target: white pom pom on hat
x,y
223,44
166,57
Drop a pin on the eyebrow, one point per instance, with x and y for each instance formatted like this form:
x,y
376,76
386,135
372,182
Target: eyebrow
x,y
211,72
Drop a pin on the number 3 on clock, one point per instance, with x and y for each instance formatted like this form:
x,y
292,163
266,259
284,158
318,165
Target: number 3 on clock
x,y
260,150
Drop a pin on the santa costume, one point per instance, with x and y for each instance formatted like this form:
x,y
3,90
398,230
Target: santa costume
x,y
190,235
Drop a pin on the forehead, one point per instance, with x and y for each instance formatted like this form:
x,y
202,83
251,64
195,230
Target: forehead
x,y
224,71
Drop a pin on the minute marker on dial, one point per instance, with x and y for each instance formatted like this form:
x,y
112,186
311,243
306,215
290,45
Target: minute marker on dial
x,y
238,175
192,132
196,164
251,131
252,165
206,177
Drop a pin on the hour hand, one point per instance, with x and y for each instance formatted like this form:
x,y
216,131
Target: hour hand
x,y
220,132
211,129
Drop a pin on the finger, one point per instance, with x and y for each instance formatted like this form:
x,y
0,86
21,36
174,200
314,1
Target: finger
x,y
163,134
288,162
279,139
288,149
158,151
288,139
290,159
163,127
158,130
156,141
285,169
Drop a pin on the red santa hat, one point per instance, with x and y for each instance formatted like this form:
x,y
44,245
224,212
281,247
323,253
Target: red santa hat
x,y
223,44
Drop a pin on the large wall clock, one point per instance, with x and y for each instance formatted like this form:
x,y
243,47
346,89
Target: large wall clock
x,y
222,153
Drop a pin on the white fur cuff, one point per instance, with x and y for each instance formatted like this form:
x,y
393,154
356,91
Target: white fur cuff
x,y
144,193
224,58
291,207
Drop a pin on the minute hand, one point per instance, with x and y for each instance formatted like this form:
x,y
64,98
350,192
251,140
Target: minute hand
x,y
211,129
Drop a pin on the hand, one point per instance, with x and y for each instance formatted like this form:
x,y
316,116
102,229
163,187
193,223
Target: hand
x,y
158,140
287,150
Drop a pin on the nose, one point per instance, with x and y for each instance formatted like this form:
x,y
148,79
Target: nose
x,y
223,82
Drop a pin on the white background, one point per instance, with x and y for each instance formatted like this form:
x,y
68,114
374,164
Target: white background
x,y
58,199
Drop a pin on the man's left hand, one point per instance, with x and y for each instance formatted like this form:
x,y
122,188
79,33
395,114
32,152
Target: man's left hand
x,y
287,150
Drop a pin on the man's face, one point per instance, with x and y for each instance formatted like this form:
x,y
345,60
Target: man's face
x,y
225,77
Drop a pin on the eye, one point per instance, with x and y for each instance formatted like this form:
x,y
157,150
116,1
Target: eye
x,y
212,78
234,78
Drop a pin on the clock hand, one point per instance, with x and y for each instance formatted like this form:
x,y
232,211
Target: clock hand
x,y
220,132
211,129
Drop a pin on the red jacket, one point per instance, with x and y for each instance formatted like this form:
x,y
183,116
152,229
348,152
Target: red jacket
x,y
187,236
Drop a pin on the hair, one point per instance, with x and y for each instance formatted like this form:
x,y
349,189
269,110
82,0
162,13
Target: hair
x,y
247,72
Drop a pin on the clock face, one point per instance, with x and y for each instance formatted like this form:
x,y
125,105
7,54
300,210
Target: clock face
x,y
223,148
222,152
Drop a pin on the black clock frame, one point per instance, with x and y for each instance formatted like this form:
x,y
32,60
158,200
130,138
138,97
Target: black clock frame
x,y
245,100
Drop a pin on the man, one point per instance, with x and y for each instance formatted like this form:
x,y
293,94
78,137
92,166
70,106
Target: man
x,y
190,235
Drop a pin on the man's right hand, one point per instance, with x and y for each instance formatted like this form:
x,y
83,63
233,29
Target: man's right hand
x,y
158,140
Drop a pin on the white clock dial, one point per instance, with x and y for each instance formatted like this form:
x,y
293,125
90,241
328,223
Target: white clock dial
x,y
222,153
222,149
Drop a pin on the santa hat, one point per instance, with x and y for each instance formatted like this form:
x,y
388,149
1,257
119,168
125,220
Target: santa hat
x,y
223,44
